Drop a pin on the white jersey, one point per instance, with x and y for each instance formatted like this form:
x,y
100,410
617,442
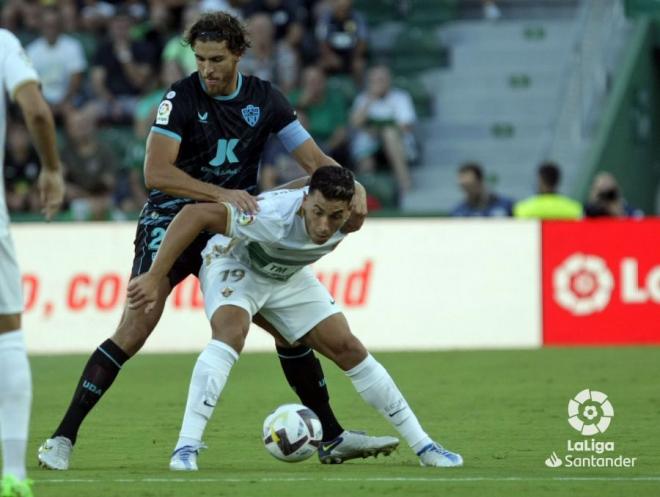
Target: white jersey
x,y
274,242
15,69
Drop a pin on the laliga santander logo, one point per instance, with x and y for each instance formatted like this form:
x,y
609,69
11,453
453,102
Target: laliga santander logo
x,y
589,412
583,284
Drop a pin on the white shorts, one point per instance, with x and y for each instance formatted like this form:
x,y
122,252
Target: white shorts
x,y
293,307
11,294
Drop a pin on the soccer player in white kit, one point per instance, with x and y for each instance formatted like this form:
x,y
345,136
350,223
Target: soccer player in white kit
x,y
263,265
19,79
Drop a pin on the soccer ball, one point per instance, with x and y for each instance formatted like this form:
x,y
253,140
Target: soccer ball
x,y
292,433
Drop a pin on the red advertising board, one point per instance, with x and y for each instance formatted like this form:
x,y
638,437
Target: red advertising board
x,y
601,282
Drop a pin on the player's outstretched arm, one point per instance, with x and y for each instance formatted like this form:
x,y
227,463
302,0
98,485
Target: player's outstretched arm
x,y
39,120
161,173
187,224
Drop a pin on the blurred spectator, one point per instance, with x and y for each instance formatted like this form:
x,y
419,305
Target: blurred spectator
x,y
326,113
383,117
122,69
548,204
277,63
90,168
233,7
283,13
605,199
491,10
20,15
479,201
60,62
342,34
178,56
21,170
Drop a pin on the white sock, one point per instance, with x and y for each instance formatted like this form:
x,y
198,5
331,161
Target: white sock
x,y
208,380
375,385
15,400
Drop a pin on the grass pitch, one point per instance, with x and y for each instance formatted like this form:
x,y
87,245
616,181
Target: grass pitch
x,y
504,411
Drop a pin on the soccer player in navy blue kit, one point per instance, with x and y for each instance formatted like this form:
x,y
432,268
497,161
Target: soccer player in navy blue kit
x,y
205,145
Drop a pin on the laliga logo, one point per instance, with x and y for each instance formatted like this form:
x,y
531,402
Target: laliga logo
x,y
583,284
589,412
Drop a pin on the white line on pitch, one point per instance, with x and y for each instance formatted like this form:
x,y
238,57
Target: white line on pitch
x,y
366,479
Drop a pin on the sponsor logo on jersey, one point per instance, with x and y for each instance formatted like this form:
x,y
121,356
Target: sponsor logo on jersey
x,y
164,111
245,218
225,152
203,118
251,114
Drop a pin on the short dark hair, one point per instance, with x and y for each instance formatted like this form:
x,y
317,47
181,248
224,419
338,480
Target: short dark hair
x,y
474,168
218,26
550,174
334,183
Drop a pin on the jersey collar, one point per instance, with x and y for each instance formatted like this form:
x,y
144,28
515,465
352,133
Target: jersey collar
x,y
223,97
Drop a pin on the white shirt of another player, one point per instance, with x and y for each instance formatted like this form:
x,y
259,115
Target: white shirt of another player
x,y
274,242
15,70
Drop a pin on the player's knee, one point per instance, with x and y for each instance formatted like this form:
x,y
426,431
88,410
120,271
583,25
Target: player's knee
x,y
348,352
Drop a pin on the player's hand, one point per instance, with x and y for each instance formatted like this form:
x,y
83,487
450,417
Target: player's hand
x,y
51,192
143,291
358,210
238,198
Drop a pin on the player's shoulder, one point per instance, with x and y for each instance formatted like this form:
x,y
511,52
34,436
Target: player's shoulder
x,y
187,85
257,87
279,204
8,39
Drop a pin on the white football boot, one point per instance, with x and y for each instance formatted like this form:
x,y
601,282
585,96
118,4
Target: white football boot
x,y
436,455
353,444
55,453
185,458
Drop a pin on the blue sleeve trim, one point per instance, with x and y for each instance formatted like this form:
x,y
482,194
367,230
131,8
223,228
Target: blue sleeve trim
x,y
293,135
165,132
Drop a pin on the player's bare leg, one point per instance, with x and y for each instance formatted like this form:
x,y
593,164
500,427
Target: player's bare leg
x,y
229,326
100,372
15,401
332,337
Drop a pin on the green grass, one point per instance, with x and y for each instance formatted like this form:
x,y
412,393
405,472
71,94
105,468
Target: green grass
x,y
504,411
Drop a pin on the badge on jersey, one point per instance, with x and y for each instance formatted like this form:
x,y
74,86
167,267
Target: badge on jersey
x,y
164,111
245,218
251,114
170,94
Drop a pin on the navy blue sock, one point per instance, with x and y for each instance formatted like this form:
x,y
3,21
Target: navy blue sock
x,y
99,373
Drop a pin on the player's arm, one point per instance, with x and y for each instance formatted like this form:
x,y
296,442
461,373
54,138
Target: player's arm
x,y
182,231
41,126
161,173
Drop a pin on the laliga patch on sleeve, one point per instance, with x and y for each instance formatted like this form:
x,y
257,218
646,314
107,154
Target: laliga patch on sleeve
x,y
245,218
164,111
170,94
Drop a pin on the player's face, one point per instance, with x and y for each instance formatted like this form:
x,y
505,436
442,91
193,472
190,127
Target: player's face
x,y
217,66
323,217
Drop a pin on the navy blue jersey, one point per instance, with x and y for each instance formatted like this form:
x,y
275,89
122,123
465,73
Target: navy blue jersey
x,y
222,138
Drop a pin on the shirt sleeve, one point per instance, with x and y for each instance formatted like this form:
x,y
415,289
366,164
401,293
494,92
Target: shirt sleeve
x,y
283,113
173,114
16,65
77,62
266,226
404,109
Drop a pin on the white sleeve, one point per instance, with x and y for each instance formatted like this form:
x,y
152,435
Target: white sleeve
x,y
404,109
16,66
265,226
76,62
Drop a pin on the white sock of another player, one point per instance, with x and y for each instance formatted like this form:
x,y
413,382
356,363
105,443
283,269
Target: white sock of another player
x,y
375,385
15,400
208,380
